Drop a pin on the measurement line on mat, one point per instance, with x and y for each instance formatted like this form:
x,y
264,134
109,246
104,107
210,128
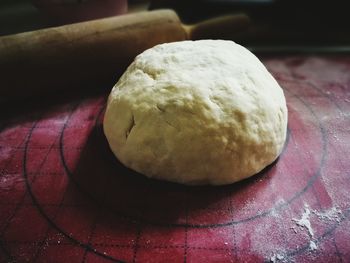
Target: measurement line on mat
x,y
93,229
130,246
21,201
136,245
233,230
44,239
7,254
46,217
186,229
78,148
92,232
339,255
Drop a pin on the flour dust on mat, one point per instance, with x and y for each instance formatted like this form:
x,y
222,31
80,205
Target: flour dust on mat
x,y
334,214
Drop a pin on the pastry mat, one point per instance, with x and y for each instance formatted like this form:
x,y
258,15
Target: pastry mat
x,y
65,198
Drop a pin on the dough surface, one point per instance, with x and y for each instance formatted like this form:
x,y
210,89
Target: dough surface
x,y
196,112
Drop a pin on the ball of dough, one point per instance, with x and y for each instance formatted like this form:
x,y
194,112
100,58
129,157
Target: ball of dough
x,y
196,112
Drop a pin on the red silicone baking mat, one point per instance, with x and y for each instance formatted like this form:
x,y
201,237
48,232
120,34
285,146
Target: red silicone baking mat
x,y
65,198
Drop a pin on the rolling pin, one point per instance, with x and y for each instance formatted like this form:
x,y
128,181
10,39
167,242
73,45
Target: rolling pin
x,y
93,53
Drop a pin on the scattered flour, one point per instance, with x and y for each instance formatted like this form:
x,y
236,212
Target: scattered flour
x,y
305,221
312,245
333,214
276,258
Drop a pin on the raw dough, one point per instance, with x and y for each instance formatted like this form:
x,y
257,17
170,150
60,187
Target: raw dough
x,y
196,112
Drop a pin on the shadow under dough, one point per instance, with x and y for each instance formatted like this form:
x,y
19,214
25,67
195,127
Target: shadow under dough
x,y
125,193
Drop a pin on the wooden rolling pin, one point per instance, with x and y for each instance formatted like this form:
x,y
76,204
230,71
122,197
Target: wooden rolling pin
x,y
93,53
